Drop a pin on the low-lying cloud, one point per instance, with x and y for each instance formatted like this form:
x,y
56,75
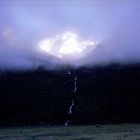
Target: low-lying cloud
x,y
114,24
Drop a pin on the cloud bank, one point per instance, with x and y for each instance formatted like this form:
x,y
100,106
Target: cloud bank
x,y
114,24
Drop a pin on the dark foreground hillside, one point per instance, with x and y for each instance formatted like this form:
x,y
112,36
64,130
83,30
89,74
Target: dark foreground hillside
x,y
105,95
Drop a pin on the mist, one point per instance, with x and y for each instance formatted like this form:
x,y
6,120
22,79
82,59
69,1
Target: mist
x,y
114,24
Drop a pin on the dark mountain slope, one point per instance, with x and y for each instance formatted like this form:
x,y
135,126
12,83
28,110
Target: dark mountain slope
x,y
108,94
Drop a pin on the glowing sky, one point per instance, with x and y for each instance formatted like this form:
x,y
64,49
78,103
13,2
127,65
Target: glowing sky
x,y
24,25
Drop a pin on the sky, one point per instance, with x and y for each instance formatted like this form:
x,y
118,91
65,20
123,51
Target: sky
x,y
115,24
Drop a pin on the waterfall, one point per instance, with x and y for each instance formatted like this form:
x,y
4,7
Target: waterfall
x,y
74,90
75,84
71,106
